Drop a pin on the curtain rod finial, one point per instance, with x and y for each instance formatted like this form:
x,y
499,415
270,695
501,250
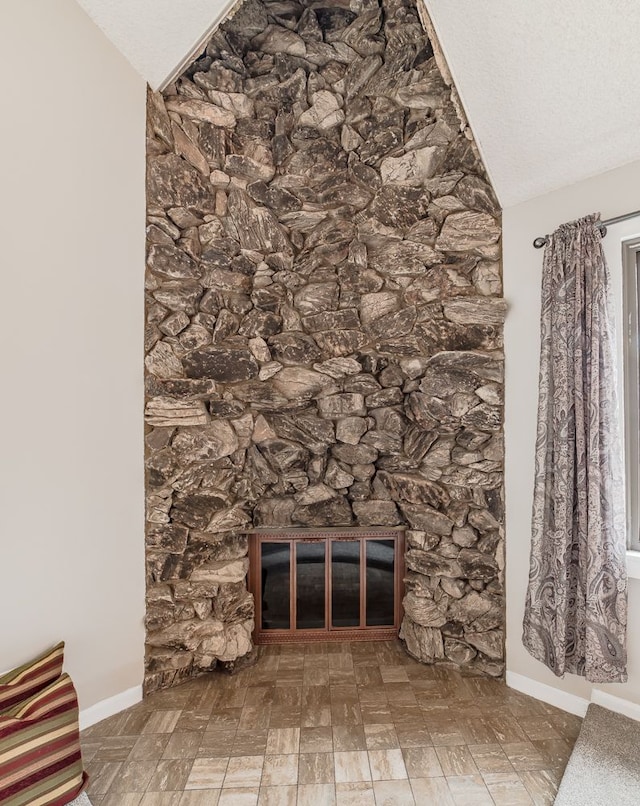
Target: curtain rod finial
x,y
540,242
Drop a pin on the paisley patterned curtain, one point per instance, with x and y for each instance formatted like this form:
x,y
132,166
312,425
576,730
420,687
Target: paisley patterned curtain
x,y
576,609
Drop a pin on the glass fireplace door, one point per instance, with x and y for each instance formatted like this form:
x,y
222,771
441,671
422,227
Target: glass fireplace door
x,y
326,585
310,583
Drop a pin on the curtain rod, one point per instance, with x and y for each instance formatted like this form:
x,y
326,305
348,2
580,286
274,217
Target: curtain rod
x,y
602,226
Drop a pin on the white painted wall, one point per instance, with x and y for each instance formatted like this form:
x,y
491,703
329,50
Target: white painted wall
x,y
612,193
71,262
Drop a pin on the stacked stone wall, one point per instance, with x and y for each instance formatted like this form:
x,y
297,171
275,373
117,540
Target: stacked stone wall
x,y
324,327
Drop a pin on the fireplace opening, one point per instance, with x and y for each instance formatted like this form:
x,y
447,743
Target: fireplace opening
x,y
329,584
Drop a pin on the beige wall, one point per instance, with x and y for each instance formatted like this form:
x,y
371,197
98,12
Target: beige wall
x,y
612,193
72,260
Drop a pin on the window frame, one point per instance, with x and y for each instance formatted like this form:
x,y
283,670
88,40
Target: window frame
x,y
631,385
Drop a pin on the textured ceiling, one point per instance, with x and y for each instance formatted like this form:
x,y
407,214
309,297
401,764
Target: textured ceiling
x,y
158,37
550,87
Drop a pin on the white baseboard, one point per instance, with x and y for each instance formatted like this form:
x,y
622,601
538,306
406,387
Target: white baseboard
x,y
617,704
112,705
549,694
570,702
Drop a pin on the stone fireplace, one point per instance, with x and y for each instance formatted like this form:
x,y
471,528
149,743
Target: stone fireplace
x,y
324,327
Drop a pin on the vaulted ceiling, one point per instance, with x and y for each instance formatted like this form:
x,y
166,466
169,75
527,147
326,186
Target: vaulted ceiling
x,y
550,88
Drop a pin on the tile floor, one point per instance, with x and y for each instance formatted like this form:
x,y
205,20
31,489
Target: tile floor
x,y
357,724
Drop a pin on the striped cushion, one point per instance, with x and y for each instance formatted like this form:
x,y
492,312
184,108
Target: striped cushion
x,y
40,760
25,681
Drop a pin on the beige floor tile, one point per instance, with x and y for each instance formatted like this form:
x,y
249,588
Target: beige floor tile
x,y
387,765
235,698
240,796
170,698
477,731
101,775
292,661
542,785
380,714
134,776
315,716
183,745
149,748
507,729
162,721
312,696
200,797
170,775
355,794
469,790
285,716
316,795
445,734
217,742
290,677
344,692
490,758
539,727
413,736
207,773
345,712
315,676
244,771
373,695
393,793
422,762
432,792
115,748
161,799
249,743
89,748
352,766
406,715
283,741
381,737
555,752
393,674
524,756
135,719
108,727
280,770
225,718
367,675
400,694
348,738
567,725
193,720
119,799
287,696
388,711
316,768
316,740
456,760
341,676
278,796
507,789
254,717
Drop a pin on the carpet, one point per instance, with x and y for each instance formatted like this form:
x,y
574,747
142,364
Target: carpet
x,y
604,768
81,800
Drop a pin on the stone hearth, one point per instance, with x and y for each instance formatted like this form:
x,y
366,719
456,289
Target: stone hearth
x,y
324,326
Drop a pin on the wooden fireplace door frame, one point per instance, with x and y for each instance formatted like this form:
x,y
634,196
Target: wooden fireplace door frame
x,y
293,536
